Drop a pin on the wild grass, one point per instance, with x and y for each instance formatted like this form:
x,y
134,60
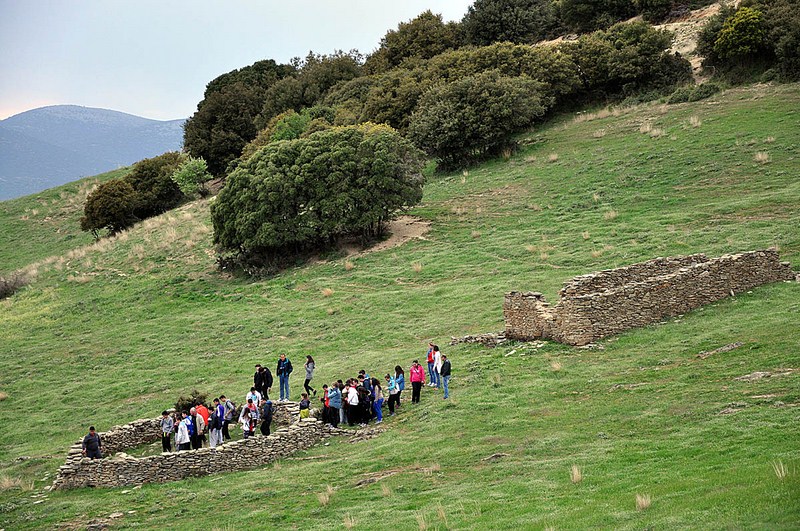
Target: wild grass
x,y
695,121
762,157
552,157
642,502
126,344
575,474
780,469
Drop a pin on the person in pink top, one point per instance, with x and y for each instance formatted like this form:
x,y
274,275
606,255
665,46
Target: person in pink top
x,y
417,380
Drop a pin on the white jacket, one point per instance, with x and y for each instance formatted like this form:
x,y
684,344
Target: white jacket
x,y
182,435
437,361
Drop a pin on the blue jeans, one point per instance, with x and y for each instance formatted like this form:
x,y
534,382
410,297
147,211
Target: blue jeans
x,y
284,386
446,382
376,406
430,372
437,379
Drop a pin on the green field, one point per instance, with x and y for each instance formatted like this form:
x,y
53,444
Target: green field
x,y
117,330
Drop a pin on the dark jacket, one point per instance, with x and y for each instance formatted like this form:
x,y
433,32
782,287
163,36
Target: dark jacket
x,y
267,411
262,379
445,370
92,443
284,367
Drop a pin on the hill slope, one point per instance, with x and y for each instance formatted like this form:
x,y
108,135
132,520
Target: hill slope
x,y
117,330
50,146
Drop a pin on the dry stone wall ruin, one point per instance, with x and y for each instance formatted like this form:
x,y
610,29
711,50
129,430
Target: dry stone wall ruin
x,y
609,302
118,469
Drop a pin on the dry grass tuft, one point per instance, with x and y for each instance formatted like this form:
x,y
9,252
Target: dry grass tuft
x,y
762,157
324,498
600,133
642,502
476,234
543,256
8,483
530,248
442,514
597,253
348,265
585,235
386,490
326,292
79,279
417,267
330,311
552,157
695,121
596,197
507,152
575,474
3,396
611,214
769,139
556,365
423,525
349,522
781,470
656,132
645,128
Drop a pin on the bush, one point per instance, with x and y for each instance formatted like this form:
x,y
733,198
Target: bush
x,y
742,35
476,116
11,284
111,207
186,403
587,15
151,179
191,177
654,11
520,21
694,92
300,195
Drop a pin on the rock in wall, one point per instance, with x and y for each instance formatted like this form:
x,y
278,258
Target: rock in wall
x,y
609,302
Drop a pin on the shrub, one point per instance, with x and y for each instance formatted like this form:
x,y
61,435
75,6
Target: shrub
x,y
520,21
186,403
110,206
742,34
475,116
151,180
191,177
299,195
654,11
587,15
694,92
11,284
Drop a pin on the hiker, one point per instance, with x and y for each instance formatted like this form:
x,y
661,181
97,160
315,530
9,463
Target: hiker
x,y
377,404
431,350
305,406
326,405
394,393
437,366
247,423
309,375
417,380
364,404
262,381
253,395
335,404
167,425
283,371
215,424
203,411
352,403
445,373
267,411
400,380
92,445
182,436
343,410
227,417
198,427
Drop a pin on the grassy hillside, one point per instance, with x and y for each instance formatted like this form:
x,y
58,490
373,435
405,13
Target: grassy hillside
x,y
117,330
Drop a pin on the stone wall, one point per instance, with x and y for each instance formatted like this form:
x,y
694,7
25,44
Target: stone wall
x,y
608,302
124,470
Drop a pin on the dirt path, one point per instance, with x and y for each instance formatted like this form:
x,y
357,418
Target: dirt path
x,y
403,229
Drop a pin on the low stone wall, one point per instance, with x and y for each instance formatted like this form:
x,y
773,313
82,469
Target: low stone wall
x,y
609,302
124,470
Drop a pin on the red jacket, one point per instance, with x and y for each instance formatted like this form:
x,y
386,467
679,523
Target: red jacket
x,y
417,374
203,412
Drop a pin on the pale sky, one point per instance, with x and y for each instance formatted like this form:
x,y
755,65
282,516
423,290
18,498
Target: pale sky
x,y
153,58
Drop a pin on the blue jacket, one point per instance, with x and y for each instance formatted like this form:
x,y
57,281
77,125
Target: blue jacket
x,y
335,398
284,367
401,382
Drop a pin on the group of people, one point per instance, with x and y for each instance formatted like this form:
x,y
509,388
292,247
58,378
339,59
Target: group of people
x,y
355,401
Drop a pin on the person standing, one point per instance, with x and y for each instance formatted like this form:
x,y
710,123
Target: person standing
x,y
283,371
183,438
253,395
215,424
394,393
377,405
445,373
227,416
335,404
247,423
92,445
262,381
267,410
167,425
198,427
417,380
309,375
203,411
352,403
431,350
400,380
437,367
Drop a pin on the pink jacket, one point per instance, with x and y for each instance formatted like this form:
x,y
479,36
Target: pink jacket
x,y
417,374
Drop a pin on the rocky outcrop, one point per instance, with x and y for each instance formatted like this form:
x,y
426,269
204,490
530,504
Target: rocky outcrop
x,y
612,301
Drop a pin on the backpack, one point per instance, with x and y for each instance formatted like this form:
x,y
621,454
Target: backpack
x,y
190,426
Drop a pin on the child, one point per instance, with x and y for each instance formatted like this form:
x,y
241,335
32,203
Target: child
x,y
247,423
305,404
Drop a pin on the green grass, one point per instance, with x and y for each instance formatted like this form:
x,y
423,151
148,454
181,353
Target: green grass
x,y
118,330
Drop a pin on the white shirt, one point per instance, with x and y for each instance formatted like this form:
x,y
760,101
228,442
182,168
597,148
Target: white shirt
x,y
437,361
352,396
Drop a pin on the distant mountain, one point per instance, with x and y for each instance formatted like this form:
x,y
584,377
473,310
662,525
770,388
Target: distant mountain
x,y
54,145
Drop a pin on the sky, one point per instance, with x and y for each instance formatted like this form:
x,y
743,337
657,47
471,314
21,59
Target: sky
x,y
153,58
